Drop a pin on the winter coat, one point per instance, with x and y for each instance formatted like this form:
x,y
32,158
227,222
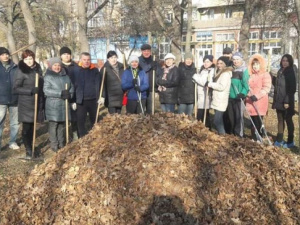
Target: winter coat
x,y
53,86
70,72
148,65
284,90
7,96
113,92
260,86
186,87
169,93
127,84
221,86
23,84
239,81
86,83
204,101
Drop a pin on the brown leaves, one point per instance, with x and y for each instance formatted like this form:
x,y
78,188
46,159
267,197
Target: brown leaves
x,y
163,169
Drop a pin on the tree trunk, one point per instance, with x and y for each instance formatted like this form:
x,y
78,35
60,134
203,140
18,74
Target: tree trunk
x,y
189,26
30,23
10,37
245,28
82,21
297,3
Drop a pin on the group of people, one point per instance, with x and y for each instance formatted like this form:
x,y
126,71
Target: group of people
x,y
226,85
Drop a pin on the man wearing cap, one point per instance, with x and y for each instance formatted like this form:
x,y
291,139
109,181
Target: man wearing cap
x,y
228,53
8,100
68,64
238,91
148,65
87,85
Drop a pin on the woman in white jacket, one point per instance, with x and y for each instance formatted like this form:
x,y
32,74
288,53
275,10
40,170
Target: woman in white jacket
x,y
201,79
220,86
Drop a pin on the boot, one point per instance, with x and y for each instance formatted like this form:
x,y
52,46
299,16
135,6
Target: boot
x,y
28,153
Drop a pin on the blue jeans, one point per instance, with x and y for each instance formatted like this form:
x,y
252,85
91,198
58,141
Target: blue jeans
x,y
218,122
167,107
13,122
186,109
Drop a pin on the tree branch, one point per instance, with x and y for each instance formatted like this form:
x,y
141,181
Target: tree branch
x,y
97,10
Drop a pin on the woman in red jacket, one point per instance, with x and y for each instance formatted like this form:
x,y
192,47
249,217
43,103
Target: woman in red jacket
x,y
257,100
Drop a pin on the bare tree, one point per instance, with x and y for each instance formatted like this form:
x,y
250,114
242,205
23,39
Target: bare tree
x,y
189,26
245,27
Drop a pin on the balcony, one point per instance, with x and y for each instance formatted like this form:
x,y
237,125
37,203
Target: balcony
x,y
219,23
200,4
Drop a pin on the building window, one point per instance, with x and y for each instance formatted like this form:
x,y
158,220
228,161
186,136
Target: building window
x,y
164,48
254,35
272,35
204,36
168,17
252,48
225,37
211,14
228,13
195,14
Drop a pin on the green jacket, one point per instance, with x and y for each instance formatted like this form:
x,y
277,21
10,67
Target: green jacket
x,y
239,81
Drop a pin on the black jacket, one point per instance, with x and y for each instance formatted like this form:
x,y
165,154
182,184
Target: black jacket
x,y
284,90
70,72
170,95
148,65
7,96
87,83
186,87
23,84
112,92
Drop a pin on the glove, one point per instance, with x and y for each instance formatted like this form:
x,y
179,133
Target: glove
x,y
101,101
205,85
135,82
240,96
34,90
65,94
74,106
253,98
137,88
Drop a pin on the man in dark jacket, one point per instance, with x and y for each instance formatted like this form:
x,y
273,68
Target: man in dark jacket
x,y
149,66
68,64
8,100
87,85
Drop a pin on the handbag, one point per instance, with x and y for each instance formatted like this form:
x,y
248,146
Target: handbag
x,y
125,98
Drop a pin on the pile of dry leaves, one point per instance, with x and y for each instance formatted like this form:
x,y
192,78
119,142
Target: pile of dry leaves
x,y
163,169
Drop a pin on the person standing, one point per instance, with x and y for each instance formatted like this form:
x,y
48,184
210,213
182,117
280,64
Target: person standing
x,y
220,86
238,91
168,83
8,100
186,88
257,100
24,86
149,66
68,65
135,81
284,100
87,82
56,94
227,52
112,92
206,75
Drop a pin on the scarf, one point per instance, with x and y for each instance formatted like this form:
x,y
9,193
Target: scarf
x,y
166,71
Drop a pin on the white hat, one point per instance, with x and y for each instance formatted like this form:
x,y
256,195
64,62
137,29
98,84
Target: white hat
x,y
169,56
133,58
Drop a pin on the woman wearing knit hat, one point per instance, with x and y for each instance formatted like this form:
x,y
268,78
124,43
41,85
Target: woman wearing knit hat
x,y
220,95
56,94
136,82
112,91
24,86
186,90
168,84
206,75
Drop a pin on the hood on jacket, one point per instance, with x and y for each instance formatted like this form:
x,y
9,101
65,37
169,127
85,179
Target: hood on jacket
x,y
26,69
262,63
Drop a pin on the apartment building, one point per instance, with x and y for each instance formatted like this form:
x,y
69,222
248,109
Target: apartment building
x,y
217,23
